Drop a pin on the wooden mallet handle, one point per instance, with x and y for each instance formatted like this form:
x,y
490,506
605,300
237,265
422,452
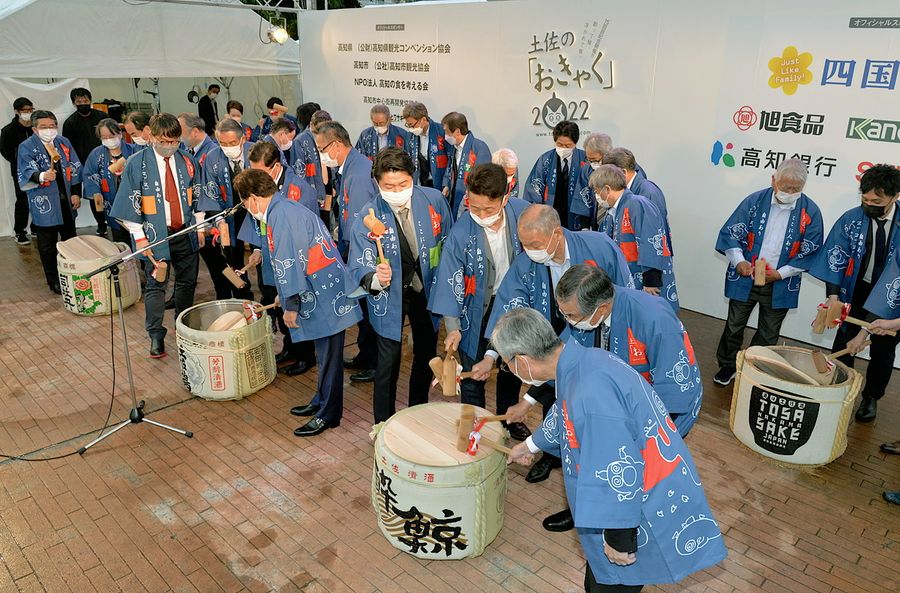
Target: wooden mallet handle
x,y
377,228
261,308
759,272
840,353
495,446
864,324
159,268
494,418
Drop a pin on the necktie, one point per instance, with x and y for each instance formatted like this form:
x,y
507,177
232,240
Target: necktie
x,y
235,168
880,250
604,336
410,234
172,197
565,171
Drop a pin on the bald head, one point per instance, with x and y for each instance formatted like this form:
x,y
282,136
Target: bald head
x,y
540,230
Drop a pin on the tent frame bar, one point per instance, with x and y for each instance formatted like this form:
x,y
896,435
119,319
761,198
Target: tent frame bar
x,y
262,4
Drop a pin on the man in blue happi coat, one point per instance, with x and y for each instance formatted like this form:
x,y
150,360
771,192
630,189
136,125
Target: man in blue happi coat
x,y
266,157
640,231
194,137
509,160
381,134
313,286
430,152
49,173
282,133
309,163
783,226
549,250
852,263
469,151
641,330
417,220
638,504
137,126
354,189
478,252
639,185
554,178
160,194
274,109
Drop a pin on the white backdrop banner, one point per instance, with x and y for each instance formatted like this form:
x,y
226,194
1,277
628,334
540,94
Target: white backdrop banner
x,y
710,101
54,97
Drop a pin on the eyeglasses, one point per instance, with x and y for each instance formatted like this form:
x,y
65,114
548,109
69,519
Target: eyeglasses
x,y
504,366
326,147
167,142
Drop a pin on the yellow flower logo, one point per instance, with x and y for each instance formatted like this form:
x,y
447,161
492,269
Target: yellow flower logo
x,y
790,69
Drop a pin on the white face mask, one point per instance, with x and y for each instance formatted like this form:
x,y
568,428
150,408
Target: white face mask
x,y
509,178
261,215
585,324
233,152
540,256
112,143
397,199
486,222
417,131
47,136
25,116
530,380
786,198
285,147
595,166
139,141
564,153
603,204
450,140
381,130
327,161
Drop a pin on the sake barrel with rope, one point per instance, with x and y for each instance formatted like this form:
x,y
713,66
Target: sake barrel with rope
x,y
795,423
224,365
430,500
96,295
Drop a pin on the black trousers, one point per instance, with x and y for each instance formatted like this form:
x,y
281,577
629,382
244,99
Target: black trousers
x,y
21,214
184,264
882,350
99,216
424,339
592,586
367,358
49,236
472,392
770,320
215,262
120,235
330,386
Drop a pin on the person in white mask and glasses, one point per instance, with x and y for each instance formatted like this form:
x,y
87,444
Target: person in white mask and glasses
x,y
783,226
417,220
381,134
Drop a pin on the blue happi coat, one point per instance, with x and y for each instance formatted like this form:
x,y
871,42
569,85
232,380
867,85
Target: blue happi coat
x,y
884,300
215,178
367,144
640,232
354,189
528,284
475,152
439,153
646,333
140,197
97,179
840,258
203,149
260,131
644,187
745,230
306,163
44,198
514,186
540,187
306,263
432,221
625,466
461,287
268,138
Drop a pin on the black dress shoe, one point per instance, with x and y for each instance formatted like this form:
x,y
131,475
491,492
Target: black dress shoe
x,y
352,364
298,368
312,428
285,356
56,288
559,522
170,304
366,376
517,430
541,470
867,410
307,410
157,348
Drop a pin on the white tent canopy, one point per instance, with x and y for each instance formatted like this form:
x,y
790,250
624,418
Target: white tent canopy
x,y
117,39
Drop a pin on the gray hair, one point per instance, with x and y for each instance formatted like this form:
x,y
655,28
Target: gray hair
x,y
229,125
505,157
524,331
110,124
333,131
610,175
620,157
382,109
598,142
588,284
541,218
793,169
415,109
192,121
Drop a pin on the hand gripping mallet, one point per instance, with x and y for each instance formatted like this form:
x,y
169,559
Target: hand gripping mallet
x,y
468,434
833,314
376,231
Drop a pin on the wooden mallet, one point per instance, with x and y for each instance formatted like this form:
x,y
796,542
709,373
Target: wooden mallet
x,y
160,268
447,374
117,166
376,231
468,434
837,313
234,276
823,361
759,272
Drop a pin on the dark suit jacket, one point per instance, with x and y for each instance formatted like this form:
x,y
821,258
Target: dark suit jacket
x,y
208,113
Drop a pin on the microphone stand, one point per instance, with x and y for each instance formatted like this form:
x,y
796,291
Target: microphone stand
x,y
136,416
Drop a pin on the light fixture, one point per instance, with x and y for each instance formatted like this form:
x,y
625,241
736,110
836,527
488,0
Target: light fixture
x,y
277,32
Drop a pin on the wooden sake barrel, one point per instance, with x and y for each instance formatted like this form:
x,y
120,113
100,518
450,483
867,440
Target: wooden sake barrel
x,y
788,416
228,364
94,296
430,500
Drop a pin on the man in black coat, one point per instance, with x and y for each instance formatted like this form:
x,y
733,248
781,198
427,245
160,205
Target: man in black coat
x,y
81,130
208,110
13,134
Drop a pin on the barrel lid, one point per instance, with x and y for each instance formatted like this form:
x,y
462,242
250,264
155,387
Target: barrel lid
x,y
426,435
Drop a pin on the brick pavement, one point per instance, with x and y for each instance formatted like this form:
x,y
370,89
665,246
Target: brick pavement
x,y
247,507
